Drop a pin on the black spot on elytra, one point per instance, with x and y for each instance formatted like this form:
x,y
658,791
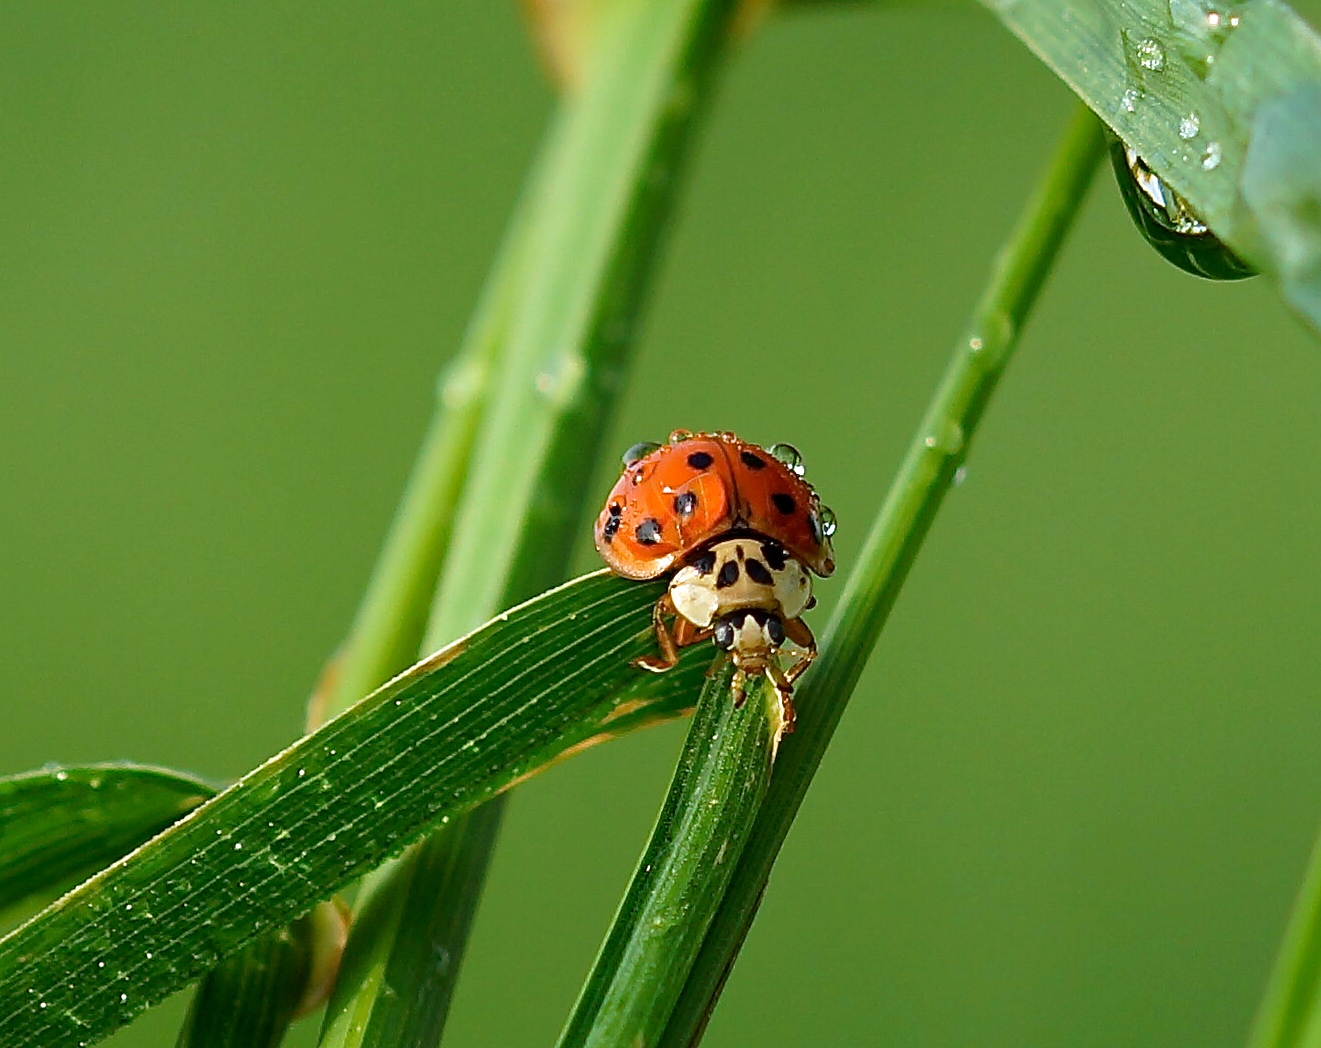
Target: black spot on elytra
x,y
611,528
649,531
757,571
616,508
700,460
728,575
752,461
706,563
775,555
685,504
784,503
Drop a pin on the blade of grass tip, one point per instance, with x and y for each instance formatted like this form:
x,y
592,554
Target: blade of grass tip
x,y
437,741
595,217
936,453
1289,1015
62,822
721,778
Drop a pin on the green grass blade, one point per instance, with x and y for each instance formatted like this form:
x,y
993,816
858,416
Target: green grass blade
x,y
449,866
60,822
592,219
388,628
937,451
435,742
1290,1012
708,813
1222,99
249,1001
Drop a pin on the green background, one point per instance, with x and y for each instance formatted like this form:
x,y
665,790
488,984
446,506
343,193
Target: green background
x,y
1074,794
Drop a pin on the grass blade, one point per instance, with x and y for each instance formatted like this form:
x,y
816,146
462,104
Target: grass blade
x,y
60,822
708,813
927,472
1224,102
438,740
249,1000
1290,1011
592,220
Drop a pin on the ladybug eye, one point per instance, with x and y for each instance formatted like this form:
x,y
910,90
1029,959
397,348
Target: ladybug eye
x,y
639,451
789,456
724,635
775,630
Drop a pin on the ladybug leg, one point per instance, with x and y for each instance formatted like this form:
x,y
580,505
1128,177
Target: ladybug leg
x,y
669,650
737,685
684,634
797,631
784,686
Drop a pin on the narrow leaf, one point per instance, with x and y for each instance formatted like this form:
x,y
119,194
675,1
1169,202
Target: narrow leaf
x,y
708,813
587,236
438,740
250,999
60,822
937,451
1290,1012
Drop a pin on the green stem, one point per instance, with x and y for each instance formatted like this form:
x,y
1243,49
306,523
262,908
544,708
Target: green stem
x,y
928,470
591,225
709,810
1290,1011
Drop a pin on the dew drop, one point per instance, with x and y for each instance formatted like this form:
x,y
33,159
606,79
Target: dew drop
x,y
1150,54
1211,157
948,438
1189,126
960,475
61,776
1129,101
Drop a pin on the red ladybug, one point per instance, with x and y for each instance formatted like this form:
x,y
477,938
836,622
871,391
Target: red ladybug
x,y
741,526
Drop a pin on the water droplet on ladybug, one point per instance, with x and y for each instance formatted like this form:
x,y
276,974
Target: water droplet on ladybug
x,y
789,456
826,517
639,451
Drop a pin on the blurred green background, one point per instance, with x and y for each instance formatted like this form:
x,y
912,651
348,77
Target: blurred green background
x,y
1074,794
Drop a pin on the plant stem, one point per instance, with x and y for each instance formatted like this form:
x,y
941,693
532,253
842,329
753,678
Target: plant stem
x,y
709,810
928,470
1290,1012
591,225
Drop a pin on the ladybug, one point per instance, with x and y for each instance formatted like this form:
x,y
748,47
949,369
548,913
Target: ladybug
x,y
740,529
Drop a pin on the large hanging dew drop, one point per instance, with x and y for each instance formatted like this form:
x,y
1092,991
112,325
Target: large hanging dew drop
x,y
789,456
1168,223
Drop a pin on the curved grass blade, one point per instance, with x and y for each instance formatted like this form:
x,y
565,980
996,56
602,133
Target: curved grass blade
x,y
937,451
450,733
62,822
1222,100
592,220
713,799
